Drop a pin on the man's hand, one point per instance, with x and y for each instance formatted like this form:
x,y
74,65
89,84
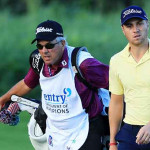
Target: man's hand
x,y
143,136
1,103
113,147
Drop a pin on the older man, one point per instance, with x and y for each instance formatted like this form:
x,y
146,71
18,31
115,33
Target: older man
x,y
72,109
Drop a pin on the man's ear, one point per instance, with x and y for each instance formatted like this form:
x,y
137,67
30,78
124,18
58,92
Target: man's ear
x,y
63,42
122,29
148,24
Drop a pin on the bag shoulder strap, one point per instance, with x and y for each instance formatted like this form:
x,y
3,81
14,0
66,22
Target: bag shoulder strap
x,y
74,61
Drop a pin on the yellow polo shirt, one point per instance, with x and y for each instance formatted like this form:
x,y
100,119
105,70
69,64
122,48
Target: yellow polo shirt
x,y
132,79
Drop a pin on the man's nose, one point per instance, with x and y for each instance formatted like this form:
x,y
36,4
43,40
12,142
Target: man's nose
x,y
136,28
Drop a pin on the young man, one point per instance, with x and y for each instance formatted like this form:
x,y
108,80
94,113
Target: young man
x,y
65,98
130,83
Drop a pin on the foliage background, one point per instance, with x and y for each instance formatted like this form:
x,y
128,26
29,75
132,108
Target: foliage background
x,y
91,23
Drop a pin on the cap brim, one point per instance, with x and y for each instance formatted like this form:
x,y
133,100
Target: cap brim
x,y
133,17
44,39
33,41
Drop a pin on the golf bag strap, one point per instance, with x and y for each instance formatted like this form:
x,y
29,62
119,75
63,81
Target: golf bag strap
x,y
74,61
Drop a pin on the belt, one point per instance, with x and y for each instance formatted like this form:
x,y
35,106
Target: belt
x,y
137,126
134,126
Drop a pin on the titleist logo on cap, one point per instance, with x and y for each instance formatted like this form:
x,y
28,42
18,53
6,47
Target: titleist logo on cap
x,y
42,29
129,11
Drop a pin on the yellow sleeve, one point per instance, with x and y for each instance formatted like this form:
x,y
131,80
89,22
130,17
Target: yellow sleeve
x,y
115,85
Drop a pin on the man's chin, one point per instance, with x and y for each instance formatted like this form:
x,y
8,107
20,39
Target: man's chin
x,y
47,62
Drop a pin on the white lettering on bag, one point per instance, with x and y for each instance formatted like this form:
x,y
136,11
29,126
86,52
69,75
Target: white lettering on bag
x,y
35,62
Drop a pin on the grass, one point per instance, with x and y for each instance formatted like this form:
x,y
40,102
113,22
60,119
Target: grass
x,y
16,137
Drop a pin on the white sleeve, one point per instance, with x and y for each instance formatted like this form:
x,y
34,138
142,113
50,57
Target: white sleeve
x,y
82,56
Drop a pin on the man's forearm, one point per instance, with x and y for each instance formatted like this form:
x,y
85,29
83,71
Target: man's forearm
x,y
115,117
19,89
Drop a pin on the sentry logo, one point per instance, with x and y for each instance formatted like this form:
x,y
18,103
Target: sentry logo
x,y
58,99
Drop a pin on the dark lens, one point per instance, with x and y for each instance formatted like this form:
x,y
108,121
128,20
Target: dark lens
x,y
39,46
49,46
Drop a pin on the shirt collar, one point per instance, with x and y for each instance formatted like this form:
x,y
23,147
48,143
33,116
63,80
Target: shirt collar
x,y
126,53
127,50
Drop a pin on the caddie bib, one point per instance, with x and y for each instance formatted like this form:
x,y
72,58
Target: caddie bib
x,y
67,123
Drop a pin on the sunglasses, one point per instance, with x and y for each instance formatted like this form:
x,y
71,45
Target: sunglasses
x,y
47,46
